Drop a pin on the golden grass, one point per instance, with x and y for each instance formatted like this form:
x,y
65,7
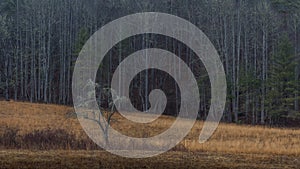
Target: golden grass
x,y
228,138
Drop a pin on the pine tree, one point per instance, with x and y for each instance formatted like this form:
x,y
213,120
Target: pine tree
x,y
281,84
82,38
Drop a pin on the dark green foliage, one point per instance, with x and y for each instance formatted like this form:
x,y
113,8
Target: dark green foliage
x,y
82,38
281,83
286,6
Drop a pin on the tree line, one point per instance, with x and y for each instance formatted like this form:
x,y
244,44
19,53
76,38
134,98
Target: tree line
x,y
258,42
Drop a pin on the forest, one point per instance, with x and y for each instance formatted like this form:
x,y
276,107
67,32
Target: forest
x,y
258,42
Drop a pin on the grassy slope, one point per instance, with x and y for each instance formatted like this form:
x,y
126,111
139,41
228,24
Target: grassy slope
x,y
231,146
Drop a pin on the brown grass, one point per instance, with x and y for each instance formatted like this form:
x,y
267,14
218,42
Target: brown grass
x,y
229,138
15,159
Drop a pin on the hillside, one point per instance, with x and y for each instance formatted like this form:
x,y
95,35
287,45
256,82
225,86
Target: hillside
x,y
43,136
27,118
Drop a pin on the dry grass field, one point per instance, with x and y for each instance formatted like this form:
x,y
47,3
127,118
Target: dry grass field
x,y
49,136
174,159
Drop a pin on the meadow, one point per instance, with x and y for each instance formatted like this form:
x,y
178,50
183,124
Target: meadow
x,y
50,136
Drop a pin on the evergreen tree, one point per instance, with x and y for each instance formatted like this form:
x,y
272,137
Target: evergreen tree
x,y
83,36
281,82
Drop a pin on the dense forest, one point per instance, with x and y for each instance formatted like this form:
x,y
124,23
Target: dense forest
x,y
258,42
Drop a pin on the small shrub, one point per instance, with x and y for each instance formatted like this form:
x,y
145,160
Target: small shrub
x,y
9,138
56,139
180,147
48,139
